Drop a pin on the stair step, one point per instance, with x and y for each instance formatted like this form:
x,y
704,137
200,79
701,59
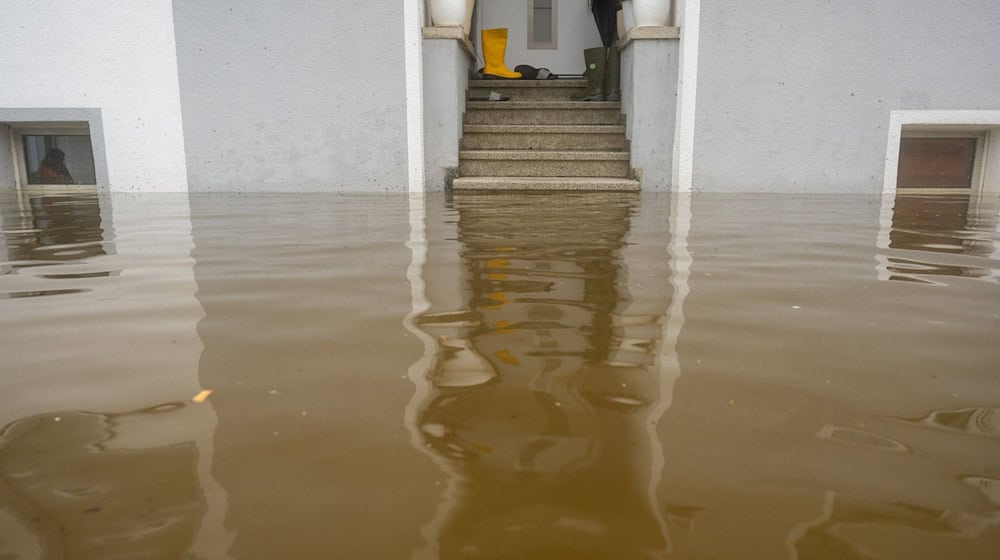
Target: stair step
x,y
529,84
544,184
519,105
547,155
528,90
537,163
545,128
544,137
543,112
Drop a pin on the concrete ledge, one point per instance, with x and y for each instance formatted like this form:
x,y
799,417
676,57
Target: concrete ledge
x,y
646,33
546,128
539,155
513,105
519,83
544,184
455,33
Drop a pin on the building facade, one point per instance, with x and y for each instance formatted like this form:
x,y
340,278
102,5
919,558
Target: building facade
x,y
179,95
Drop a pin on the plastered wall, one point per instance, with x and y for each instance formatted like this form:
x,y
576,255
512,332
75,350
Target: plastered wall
x,y
121,61
304,99
446,66
796,96
649,100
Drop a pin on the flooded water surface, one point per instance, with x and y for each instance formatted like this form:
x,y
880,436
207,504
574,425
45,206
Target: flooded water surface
x,y
491,376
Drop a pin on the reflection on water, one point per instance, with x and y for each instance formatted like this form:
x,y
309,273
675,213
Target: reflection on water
x,y
63,227
926,230
45,231
979,420
306,356
798,364
115,334
852,527
855,436
543,384
572,376
82,494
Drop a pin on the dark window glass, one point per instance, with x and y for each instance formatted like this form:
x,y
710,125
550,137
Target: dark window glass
x,y
936,162
542,26
53,159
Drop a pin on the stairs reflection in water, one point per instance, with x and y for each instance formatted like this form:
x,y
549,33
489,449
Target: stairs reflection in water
x,y
543,386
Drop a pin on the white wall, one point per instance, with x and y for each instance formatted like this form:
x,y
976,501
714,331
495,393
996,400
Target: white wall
x,y
119,58
446,71
649,93
293,96
797,96
575,31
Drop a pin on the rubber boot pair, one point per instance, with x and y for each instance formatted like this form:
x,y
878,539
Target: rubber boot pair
x,y
603,70
494,49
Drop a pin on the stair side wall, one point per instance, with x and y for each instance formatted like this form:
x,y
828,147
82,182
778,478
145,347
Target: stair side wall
x,y
649,102
446,78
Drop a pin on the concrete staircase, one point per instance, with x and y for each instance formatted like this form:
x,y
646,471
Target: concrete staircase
x,y
541,140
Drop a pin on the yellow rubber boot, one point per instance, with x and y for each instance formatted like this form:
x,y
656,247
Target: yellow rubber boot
x,y
494,48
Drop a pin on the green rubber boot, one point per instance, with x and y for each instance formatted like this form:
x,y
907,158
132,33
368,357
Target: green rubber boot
x,y
612,88
595,58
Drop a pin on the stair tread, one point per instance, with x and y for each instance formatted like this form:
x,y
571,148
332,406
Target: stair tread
x,y
547,128
560,83
511,105
603,155
546,183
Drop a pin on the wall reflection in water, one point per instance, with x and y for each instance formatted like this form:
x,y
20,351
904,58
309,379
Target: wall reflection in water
x,y
97,318
822,413
851,527
72,490
45,229
54,227
543,384
304,350
934,236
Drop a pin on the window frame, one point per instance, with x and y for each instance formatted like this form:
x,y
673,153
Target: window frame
x,y
982,137
19,130
939,122
56,117
539,45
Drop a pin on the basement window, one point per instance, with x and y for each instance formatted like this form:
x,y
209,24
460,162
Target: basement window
x,y
542,24
61,154
936,161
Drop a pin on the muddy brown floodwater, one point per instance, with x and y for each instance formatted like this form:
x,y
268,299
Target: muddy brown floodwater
x,y
536,376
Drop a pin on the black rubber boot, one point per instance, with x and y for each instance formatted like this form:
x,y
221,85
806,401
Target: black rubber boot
x,y
596,59
612,88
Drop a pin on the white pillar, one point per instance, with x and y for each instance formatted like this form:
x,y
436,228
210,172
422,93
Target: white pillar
x,y
413,19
